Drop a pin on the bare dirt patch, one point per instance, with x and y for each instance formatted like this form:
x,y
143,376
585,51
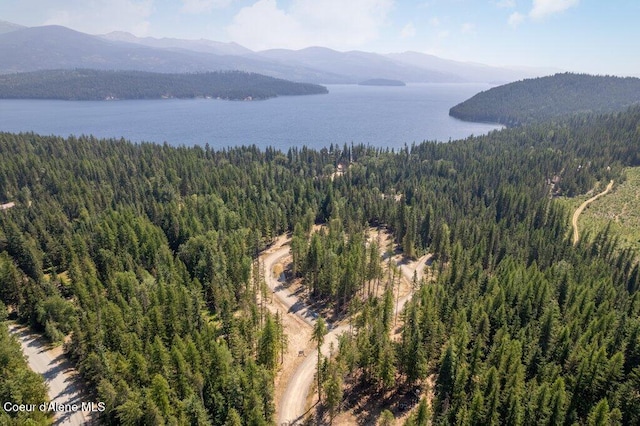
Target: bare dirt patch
x,y
298,339
289,296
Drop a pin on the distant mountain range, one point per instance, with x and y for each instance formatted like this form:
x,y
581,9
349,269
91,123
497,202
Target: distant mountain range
x,y
7,27
24,49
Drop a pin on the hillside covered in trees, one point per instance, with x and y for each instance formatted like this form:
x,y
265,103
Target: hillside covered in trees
x,y
145,254
545,98
84,84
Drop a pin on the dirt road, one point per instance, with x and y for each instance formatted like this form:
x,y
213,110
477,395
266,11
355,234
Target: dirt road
x,y
292,407
579,210
416,267
294,401
279,284
62,379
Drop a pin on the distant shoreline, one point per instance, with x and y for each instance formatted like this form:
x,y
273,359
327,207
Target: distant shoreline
x,y
95,85
382,82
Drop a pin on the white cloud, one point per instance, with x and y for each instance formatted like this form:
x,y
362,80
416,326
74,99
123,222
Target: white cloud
x,y
201,6
408,31
515,19
442,34
263,25
542,8
331,23
102,16
468,28
506,4
434,22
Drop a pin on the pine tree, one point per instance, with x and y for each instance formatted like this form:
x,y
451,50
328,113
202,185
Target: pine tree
x,y
319,331
446,377
423,416
386,418
268,346
599,414
333,391
558,402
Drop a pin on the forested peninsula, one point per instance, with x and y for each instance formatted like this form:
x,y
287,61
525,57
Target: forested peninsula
x,y
144,255
545,98
84,84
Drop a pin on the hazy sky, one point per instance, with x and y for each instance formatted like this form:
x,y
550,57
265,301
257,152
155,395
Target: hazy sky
x,y
595,36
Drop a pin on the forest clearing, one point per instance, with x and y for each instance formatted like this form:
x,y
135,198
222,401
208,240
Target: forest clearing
x,y
618,212
579,210
295,378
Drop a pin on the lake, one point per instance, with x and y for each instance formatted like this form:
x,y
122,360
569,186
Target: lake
x,y
378,116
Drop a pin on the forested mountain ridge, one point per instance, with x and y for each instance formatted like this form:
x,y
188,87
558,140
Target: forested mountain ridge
x,y
546,98
84,84
145,253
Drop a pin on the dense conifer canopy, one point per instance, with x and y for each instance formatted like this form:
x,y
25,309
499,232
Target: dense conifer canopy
x,y
546,98
145,253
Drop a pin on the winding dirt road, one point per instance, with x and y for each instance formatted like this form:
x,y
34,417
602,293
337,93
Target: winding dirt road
x,y
579,210
278,285
293,405
62,379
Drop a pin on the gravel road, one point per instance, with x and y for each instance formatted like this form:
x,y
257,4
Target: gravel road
x,y
292,407
62,379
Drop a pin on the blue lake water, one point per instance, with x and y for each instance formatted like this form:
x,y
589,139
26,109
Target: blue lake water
x,y
378,116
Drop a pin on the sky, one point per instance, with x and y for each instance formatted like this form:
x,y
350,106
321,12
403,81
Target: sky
x,y
592,36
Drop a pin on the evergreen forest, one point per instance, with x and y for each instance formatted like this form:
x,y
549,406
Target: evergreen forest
x,y
145,255
547,98
85,84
